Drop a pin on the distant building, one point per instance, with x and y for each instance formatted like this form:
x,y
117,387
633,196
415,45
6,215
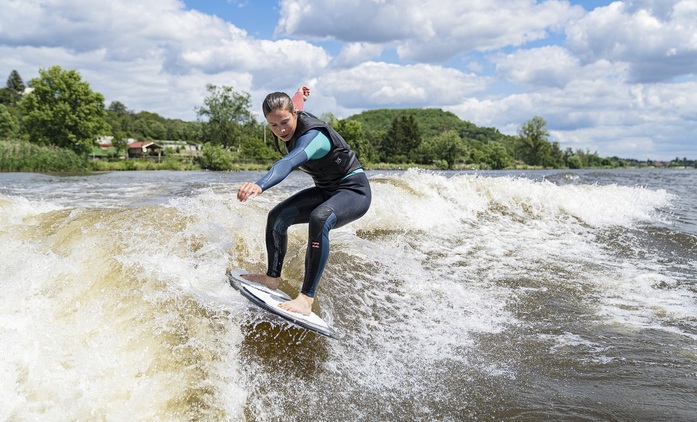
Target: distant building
x,y
144,149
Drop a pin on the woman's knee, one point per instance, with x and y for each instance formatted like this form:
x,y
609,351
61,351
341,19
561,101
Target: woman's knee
x,y
322,218
321,214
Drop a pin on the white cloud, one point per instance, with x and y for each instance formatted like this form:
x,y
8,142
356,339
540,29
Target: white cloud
x,y
550,66
356,53
352,20
375,84
658,39
426,30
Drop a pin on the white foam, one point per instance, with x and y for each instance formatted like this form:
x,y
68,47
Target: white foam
x,y
99,313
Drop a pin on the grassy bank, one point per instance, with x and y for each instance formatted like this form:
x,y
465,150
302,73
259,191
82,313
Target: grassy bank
x,y
171,163
140,164
22,156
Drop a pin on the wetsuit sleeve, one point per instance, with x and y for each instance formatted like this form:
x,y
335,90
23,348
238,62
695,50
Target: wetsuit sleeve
x,y
311,146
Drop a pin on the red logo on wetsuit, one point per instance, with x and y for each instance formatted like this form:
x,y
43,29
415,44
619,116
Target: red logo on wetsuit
x,y
315,245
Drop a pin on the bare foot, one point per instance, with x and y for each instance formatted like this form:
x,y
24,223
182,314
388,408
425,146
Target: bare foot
x,y
301,305
270,282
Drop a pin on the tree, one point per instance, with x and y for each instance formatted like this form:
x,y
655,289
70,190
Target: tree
x,y
120,119
497,156
8,123
532,146
227,112
447,147
118,108
555,158
330,119
15,87
402,140
353,134
255,148
574,162
215,158
120,142
62,110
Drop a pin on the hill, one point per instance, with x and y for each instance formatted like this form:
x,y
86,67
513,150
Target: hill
x,y
431,121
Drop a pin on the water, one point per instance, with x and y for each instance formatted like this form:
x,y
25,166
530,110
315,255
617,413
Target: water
x,y
490,296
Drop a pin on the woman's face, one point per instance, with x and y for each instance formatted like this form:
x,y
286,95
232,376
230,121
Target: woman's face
x,y
282,123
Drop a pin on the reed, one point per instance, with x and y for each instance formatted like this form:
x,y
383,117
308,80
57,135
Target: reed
x,y
22,156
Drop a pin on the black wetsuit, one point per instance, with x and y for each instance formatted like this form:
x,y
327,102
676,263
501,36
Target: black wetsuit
x,y
341,194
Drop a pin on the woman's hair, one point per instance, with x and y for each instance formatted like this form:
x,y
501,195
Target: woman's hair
x,y
277,101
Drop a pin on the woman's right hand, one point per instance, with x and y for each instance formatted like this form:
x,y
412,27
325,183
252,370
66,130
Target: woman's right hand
x,y
247,190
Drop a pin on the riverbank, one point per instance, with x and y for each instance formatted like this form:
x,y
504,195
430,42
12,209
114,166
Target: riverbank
x,y
19,156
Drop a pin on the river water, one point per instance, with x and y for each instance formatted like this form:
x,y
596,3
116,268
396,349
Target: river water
x,y
489,296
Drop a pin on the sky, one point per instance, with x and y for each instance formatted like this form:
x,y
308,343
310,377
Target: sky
x,y
617,78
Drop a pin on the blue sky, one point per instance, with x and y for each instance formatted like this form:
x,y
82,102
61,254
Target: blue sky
x,y
613,77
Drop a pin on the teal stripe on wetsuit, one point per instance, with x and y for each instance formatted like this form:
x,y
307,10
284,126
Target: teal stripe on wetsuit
x,y
312,145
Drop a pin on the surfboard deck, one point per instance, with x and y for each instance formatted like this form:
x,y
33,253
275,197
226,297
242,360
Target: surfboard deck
x,y
268,300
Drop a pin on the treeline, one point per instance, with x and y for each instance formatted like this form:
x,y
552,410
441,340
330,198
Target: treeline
x,y
59,110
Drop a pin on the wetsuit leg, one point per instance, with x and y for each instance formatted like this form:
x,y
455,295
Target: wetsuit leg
x,y
294,210
347,203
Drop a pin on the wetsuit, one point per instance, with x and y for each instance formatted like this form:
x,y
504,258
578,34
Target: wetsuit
x,y
341,194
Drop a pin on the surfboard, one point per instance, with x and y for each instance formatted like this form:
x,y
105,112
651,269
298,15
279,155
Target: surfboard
x,y
268,300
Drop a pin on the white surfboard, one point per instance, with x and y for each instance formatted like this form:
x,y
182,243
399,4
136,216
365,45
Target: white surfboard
x,y
268,300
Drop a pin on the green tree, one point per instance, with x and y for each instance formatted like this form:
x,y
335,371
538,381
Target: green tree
x,y
352,131
532,146
120,142
118,108
255,148
496,156
9,125
15,87
330,119
226,113
574,162
555,157
447,147
402,140
62,110
148,125
215,158
120,119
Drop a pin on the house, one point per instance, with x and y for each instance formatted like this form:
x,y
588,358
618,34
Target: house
x,y
144,149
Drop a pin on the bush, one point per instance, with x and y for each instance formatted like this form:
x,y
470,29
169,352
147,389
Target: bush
x,y
574,162
216,158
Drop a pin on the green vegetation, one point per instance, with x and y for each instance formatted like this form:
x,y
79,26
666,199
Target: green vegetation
x,y
53,127
62,110
439,139
147,126
18,156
